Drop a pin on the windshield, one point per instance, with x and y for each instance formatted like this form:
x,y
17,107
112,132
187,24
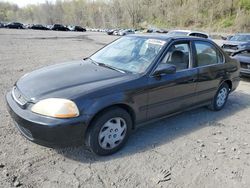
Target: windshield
x,y
133,54
241,38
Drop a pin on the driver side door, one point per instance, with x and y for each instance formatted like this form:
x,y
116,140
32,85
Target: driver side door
x,y
170,93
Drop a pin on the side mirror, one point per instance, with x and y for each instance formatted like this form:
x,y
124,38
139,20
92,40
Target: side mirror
x,y
165,68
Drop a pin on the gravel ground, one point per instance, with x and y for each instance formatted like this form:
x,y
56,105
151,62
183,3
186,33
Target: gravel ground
x,y
198,148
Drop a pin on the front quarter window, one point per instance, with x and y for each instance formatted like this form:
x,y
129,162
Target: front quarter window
x,y
133,54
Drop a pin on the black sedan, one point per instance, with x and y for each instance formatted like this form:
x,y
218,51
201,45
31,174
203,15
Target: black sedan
x,y
133,80
39,27
14,25
77,28
59,27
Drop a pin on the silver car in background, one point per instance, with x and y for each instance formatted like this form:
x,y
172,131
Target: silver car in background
x,y
189,33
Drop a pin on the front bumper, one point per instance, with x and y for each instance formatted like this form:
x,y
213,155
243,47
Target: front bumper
x,y
44,130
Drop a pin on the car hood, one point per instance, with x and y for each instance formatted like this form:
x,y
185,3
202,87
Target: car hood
x,y
68,80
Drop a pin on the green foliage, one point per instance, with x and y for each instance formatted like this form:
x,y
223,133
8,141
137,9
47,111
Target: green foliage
x,y
7,10
245,4
227,22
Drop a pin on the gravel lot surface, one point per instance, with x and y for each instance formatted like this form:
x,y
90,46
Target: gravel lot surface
x,y
199,148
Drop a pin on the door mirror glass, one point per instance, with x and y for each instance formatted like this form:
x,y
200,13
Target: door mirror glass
x,y
165,68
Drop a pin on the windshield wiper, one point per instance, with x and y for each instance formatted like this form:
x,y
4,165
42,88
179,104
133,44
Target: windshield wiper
x,y
107,66
110,67
92,61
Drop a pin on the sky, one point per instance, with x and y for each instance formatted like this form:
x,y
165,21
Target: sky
x,y
23,3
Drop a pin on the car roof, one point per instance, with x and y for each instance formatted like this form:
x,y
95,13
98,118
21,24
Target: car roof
x,y
166,37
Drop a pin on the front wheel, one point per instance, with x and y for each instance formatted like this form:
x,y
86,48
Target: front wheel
x,y
109,131
220,98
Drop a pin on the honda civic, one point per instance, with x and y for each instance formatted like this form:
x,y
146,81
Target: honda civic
x,y
136,79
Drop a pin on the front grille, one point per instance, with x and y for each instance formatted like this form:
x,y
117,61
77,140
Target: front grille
x,y
18,97
245,65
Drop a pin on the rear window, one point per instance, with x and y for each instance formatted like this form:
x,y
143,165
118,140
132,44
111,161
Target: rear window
x,y
198,35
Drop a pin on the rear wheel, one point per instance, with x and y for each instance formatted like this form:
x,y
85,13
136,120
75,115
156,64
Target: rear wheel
x,y
220,98
109,131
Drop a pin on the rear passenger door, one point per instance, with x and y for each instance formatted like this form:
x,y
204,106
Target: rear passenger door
x,y
210,64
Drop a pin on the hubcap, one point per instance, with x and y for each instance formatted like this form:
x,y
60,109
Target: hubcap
x,y
112,133
221,97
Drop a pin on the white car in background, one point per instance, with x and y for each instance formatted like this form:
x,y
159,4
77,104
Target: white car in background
x,y
189,33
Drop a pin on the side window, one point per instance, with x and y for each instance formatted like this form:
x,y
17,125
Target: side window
x,y
178,55
207,54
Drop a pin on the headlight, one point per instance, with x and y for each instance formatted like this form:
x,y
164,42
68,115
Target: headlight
x,y
56,107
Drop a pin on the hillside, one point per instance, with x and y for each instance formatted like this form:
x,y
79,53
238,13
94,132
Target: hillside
x,y
212,15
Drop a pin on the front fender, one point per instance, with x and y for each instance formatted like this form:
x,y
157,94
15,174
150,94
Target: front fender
x,y
93,106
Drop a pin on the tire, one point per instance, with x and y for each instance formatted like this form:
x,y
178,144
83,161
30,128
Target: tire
x,y
220,98
109,131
